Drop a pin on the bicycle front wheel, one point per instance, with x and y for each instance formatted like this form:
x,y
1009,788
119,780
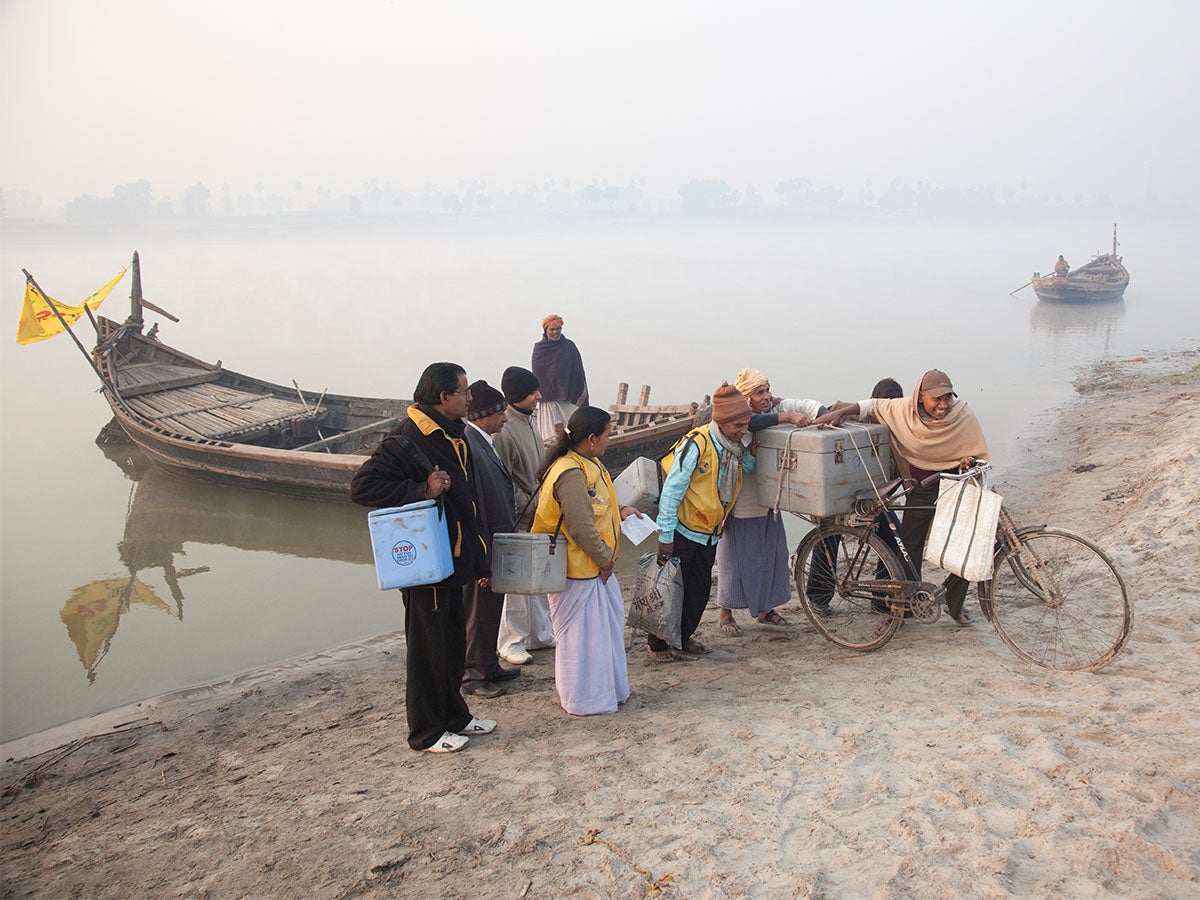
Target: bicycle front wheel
x,y
1057,600
834,570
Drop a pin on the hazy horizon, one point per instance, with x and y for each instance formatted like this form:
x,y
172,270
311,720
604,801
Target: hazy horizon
x,y
1071,100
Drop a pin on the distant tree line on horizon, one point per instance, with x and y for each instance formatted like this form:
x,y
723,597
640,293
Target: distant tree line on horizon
x,y
796,197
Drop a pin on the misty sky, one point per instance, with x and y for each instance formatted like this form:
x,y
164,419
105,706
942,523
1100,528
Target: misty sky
x,y
1061,97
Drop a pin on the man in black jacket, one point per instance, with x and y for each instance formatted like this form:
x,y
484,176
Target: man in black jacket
x,y
424,458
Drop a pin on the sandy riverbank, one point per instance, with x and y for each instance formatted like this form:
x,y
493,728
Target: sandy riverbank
x,y
778,766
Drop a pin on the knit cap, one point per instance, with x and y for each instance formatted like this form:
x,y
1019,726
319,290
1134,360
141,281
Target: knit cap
x,y
485,400
518,383
728,404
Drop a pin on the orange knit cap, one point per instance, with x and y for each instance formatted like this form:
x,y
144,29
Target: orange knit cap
x,y
728,404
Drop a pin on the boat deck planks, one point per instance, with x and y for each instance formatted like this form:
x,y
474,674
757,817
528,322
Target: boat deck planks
x,y
147,377
216,412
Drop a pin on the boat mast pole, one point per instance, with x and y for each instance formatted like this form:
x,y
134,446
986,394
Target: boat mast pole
x,y
137,302
135,295
54,308
1114,239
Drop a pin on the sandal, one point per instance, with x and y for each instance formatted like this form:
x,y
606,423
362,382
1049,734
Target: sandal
x,y
693,646
730,627
772,618
660,655
962,620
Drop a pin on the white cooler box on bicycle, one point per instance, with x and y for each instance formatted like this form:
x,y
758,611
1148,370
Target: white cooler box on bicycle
x,y
818,471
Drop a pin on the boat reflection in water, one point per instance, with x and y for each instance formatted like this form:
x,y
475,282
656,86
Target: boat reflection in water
x,y
1075,318
165,512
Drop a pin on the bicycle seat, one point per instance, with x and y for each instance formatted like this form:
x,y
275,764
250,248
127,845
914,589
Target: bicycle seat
x,y
884,491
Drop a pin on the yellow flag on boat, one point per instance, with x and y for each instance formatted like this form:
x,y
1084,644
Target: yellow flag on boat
x,y
38,321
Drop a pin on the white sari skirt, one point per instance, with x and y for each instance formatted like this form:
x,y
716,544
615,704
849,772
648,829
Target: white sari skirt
x,y
590,668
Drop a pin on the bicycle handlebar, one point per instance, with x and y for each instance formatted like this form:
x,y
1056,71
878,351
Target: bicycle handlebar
x,y
978,467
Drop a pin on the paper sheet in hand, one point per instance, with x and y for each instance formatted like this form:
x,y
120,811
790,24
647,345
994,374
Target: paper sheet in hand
x,y
638,528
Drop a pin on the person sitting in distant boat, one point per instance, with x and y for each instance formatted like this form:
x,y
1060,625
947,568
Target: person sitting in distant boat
x,y
1062,267
559,368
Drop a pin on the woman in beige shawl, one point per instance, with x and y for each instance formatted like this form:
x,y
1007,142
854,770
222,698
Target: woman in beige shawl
x,y
932,431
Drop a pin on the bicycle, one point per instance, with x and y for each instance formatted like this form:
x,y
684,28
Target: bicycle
x,y
1055,598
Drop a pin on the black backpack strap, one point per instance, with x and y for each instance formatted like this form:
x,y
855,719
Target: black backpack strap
x,y
409,446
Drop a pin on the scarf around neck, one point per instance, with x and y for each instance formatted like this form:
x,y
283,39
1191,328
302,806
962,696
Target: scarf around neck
x,y
730,464
927,443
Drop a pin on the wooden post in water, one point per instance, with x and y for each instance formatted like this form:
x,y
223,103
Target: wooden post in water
x,y
622,393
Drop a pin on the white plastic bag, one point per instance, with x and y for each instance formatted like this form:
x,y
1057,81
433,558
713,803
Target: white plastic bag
x,y
963,534
657,605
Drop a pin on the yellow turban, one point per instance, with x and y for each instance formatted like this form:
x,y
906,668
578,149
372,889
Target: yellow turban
x,y
749,380
552,319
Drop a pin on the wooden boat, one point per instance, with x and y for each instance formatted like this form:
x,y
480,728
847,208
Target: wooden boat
x,y
201,420
1103,279
644,430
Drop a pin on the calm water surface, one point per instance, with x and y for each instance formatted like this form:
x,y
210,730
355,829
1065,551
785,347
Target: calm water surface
x,y
117,584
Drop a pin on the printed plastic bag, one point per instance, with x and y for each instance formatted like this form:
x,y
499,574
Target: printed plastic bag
x,y
962,537
657,605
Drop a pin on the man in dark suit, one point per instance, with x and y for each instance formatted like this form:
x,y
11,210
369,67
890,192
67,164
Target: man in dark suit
x,y
494,496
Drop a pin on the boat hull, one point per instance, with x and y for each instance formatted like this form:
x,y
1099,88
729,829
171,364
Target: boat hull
x,y
201,421
1060,290
297,473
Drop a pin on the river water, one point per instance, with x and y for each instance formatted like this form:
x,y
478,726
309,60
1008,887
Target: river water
x,y
117,584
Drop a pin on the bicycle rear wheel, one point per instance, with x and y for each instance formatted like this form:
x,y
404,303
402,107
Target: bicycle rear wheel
x,y
1057,600
830,563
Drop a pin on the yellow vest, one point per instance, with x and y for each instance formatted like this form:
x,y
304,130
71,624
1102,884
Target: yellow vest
x,y
604,507
701,509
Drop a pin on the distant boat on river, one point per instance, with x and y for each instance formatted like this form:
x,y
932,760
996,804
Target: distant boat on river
x,y
1103,279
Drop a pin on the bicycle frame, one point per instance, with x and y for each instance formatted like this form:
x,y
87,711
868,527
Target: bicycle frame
x,y
923,599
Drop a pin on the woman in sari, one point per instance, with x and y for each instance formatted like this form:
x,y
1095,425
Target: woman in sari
x,y
577,498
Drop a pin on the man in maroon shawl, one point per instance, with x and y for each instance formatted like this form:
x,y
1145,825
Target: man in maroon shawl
x,y
559,368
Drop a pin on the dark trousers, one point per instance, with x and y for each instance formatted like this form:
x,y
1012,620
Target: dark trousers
x,y
483,608
435,631
914,529
695,565
821,580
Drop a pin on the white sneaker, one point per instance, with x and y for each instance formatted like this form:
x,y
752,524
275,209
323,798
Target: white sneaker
x,y
517,658
479,726
449,743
